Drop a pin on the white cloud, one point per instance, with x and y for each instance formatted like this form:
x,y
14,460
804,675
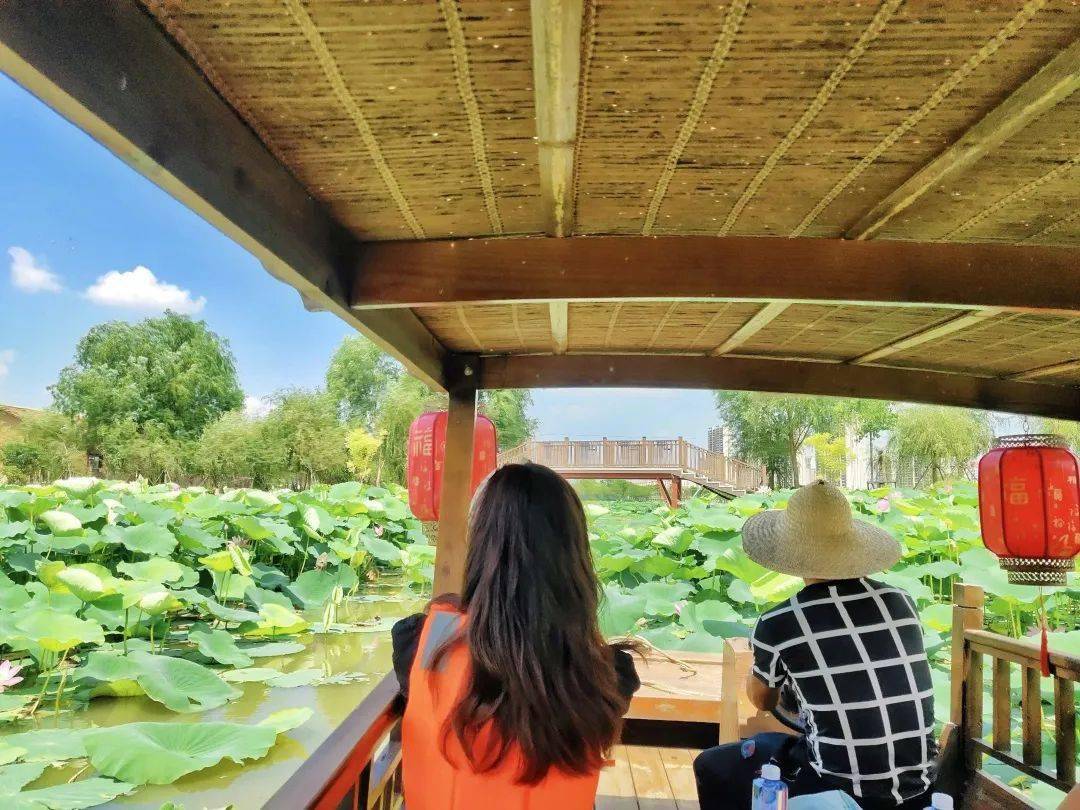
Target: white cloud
x,y
139,288
257,407
29,274
7,357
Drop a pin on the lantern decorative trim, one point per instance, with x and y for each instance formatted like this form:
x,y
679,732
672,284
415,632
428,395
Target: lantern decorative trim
x,y
1034,571
1029,504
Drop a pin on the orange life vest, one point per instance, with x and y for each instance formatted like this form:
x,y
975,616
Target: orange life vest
x,y
435,780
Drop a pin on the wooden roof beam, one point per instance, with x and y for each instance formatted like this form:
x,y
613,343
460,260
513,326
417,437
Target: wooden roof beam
x,y
1054,83
780,376
758,321
556,37
109,69
932,333
704,268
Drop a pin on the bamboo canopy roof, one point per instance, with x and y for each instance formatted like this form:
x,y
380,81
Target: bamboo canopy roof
x,y
876,198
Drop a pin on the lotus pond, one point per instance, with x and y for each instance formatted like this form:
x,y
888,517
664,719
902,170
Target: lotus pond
x,y
190,647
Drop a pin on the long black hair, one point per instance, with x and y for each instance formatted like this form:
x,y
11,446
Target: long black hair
x,y
542,676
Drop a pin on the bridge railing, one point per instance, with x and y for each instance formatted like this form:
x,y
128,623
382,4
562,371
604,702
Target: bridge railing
x,y
676,455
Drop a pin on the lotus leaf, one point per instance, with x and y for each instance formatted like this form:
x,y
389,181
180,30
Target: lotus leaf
x,y
60,522
146,538
708,617
181,685
313,588
56,631
156,569
211,506
89,792
88,581
273,649
160,753
220,561
48,745
251,527
15,528
218,645
275,620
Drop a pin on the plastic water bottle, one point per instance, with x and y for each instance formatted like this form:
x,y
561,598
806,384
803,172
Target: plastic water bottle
x,y
769,792
940,801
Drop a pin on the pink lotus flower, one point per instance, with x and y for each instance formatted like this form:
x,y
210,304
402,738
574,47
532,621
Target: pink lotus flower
x,y
379,530
883,505
679,607
9,675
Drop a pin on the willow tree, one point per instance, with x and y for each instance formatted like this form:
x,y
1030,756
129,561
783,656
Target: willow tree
x,y
940,441
771,428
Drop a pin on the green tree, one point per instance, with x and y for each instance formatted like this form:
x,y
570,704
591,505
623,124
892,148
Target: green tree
x,y
305,429
869,418
358,377
1067,429
44,447
236,447
771,428
405,400
509,410
940,441
170,372
831,455
131,451
363,449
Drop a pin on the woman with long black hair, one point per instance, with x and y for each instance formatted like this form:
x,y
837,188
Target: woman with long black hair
x,y
514,699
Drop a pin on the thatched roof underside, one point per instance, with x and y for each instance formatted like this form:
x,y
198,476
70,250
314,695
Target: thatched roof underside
x,y
415,120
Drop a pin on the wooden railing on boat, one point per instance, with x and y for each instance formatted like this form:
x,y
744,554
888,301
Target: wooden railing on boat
x,y
964,744
358,767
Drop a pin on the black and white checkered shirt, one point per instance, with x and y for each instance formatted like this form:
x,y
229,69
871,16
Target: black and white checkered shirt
x,y
852,652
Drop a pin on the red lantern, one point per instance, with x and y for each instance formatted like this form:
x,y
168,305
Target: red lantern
x,y
427,449
1029,503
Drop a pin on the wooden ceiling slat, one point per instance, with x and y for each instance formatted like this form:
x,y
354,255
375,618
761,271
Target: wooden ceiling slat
x,y
560,326
1046,371
930,334
781,376
1054,83
436,272
556,33
148,104
762,318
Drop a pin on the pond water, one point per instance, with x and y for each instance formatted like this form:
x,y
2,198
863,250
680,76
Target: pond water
x,y
251,784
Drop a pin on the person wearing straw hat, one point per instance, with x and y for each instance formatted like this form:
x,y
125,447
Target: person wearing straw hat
x,y
848,651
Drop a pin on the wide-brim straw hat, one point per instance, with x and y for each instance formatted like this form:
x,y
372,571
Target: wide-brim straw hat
x,y
817,537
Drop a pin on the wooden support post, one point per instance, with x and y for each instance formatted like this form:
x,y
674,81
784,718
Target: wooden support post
x,y
456,491
1065,725
676,492
973,707
1031,711
1002,704
733,673
967,615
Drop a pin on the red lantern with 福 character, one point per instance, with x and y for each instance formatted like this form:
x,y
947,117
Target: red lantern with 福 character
x,y
427,450
1029,504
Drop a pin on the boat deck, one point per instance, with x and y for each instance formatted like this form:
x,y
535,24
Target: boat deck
x,y
648,778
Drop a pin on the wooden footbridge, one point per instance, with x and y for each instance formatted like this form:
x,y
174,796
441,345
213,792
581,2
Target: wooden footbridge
x,y
669,462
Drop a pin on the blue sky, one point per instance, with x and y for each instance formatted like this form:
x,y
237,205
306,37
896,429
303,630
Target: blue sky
x,y
85,239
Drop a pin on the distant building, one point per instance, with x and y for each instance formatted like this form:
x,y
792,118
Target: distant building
x,y
720,440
